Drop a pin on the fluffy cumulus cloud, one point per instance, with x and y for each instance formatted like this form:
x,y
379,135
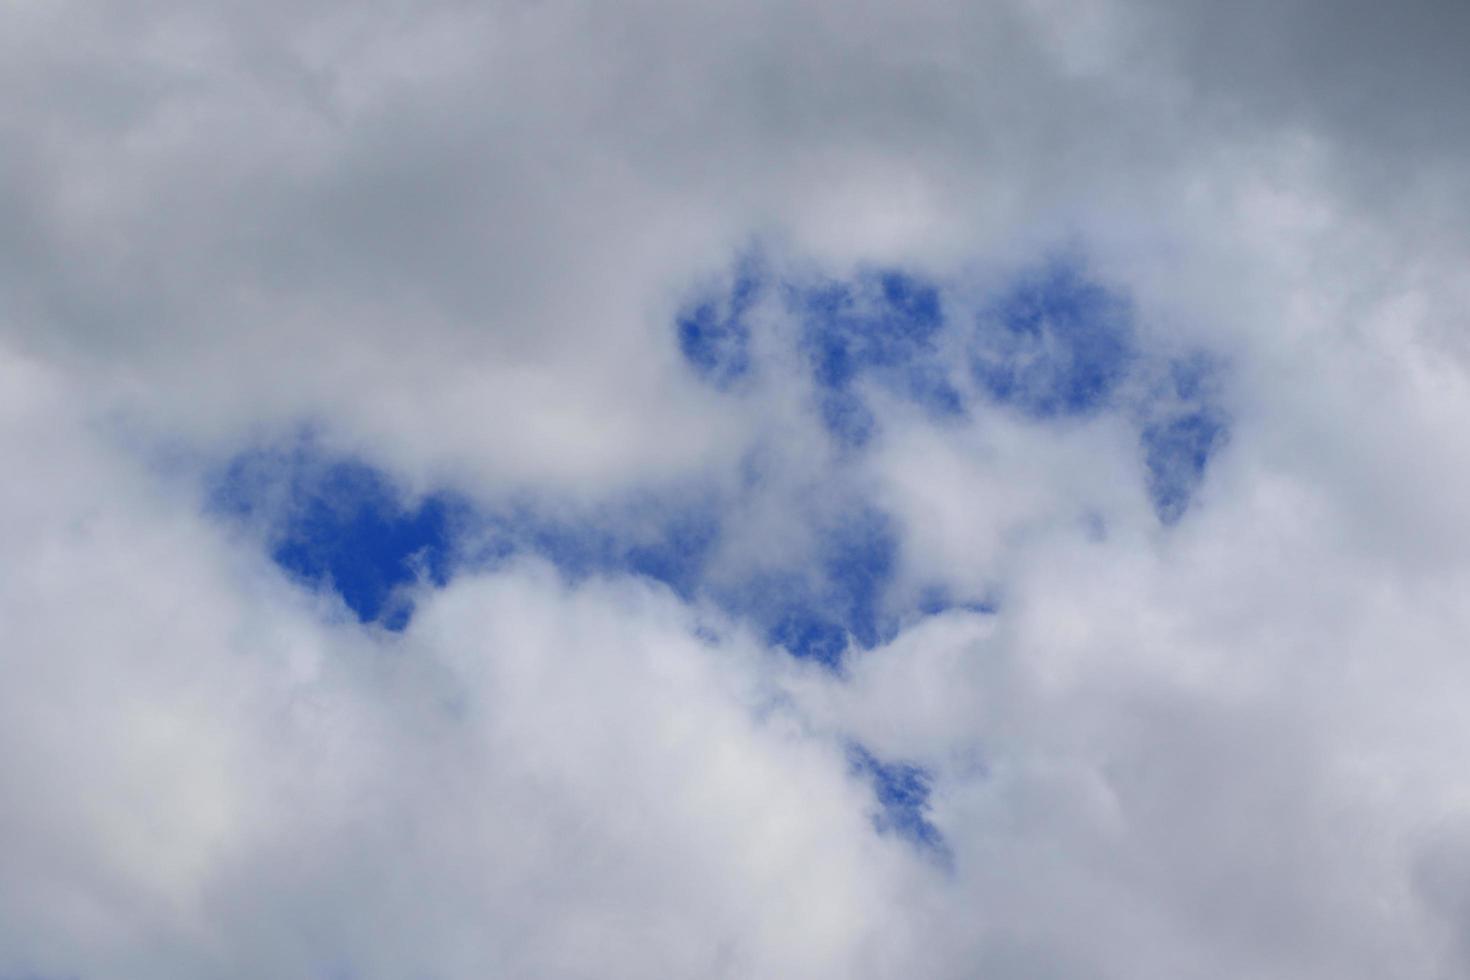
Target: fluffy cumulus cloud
x,y
570,489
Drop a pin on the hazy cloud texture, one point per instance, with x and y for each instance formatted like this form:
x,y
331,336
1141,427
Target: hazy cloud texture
x,y
541,489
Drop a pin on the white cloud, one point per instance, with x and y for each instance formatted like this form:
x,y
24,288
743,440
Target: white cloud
x,y
453,241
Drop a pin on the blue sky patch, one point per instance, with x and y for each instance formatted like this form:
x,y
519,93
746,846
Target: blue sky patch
x,y
937,599
859,556
1176,452
884,324
878,319
340,525
817,613
714,335
1055,343
793,612
808,634
678,554
1184,426
879,323
847,418
343,526
670,546
901,790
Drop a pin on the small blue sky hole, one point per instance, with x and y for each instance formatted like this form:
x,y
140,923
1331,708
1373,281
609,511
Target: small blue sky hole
x,y
847,418
882,323
1176,452
817,613
859,556
1055,343
807,634
1184,426
879,323
714,335
341,525
901,790
937,599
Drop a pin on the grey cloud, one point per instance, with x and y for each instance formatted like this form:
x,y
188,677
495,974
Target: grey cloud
x,y
452,239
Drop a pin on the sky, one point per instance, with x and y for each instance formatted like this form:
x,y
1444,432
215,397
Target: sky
x,y
539,488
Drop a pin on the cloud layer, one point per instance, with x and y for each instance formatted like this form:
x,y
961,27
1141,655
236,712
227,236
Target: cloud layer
x,y
575,490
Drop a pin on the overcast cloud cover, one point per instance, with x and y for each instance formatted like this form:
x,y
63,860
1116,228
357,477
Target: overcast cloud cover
x,y
763,489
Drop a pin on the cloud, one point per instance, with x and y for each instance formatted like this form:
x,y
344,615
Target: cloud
x,y
761,490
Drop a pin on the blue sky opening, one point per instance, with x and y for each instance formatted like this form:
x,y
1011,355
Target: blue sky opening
x,y
901,791
341,525
1055,343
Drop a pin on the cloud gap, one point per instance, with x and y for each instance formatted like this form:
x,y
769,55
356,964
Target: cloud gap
x,y
1052,344
339,526
901,790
